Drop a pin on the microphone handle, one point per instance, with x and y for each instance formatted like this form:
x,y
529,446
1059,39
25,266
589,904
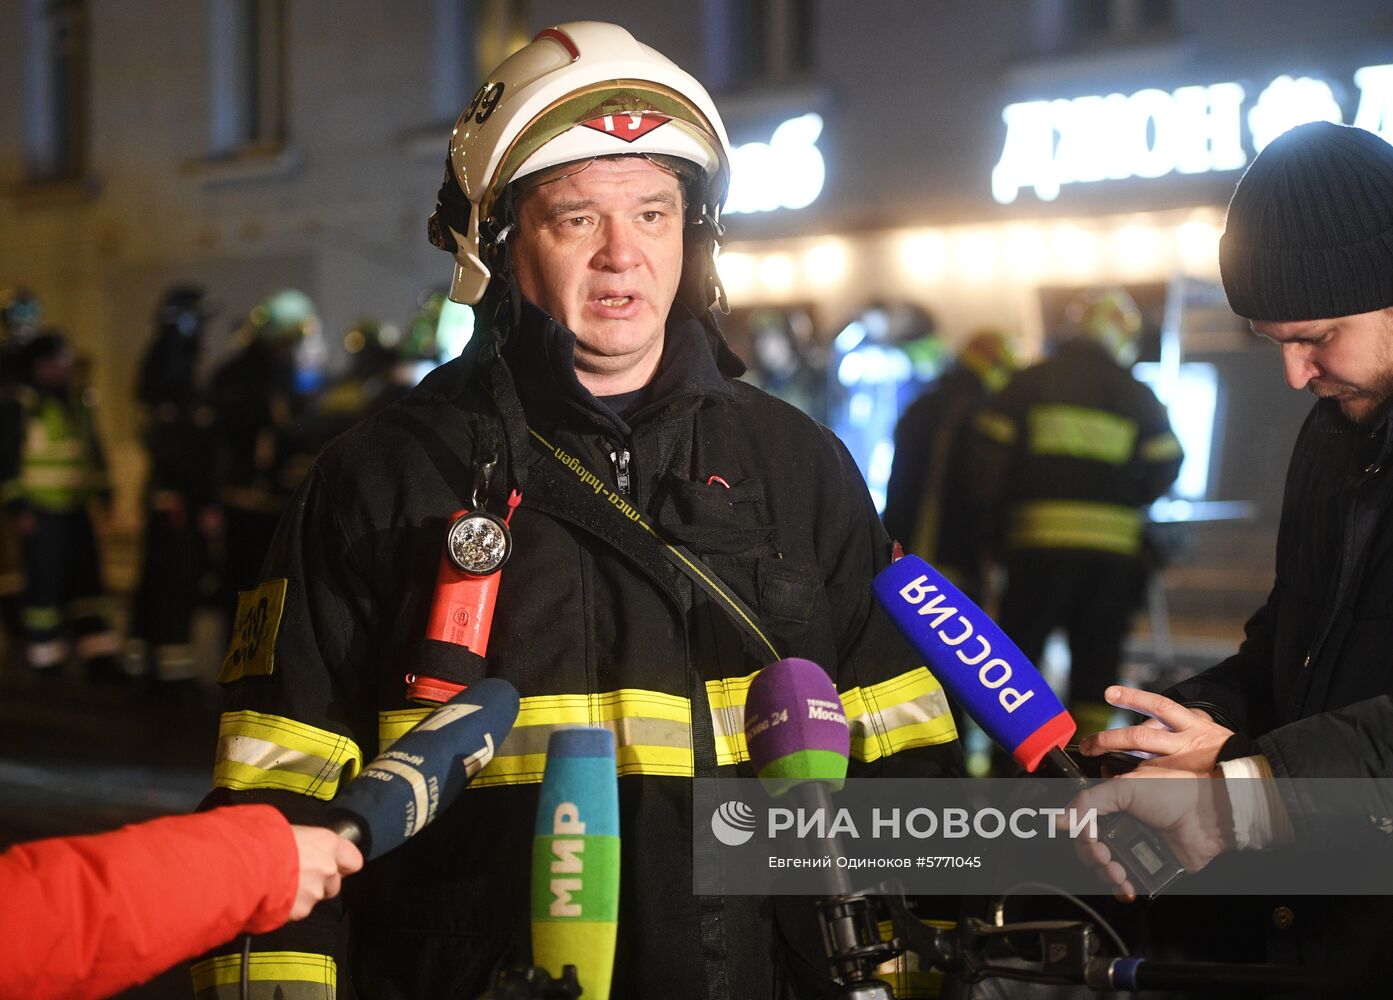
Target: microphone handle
x,y
1150,863
810,797
1064,765
1133,973
349,829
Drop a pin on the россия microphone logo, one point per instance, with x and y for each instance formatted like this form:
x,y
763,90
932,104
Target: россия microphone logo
x,y
733,823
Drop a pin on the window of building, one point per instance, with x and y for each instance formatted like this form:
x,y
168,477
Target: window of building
x,y
56,89
756,42
248,68
472,37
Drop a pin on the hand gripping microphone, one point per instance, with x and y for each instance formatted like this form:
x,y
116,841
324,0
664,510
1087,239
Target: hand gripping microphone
x,y
575,860
402,790
799,742
1004,694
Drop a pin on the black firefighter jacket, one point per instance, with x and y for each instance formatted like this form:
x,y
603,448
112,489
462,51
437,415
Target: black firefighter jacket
x,y
1311,686
1071,450
587,636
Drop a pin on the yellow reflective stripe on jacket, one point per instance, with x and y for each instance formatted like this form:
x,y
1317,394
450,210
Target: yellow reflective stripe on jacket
x,y
1075,524
1081,432
727,697
652,733
257,751
298,975
1161,448
996,426
907,711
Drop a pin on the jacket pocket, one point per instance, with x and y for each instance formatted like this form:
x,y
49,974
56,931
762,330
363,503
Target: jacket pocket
x,y
787,593
712,519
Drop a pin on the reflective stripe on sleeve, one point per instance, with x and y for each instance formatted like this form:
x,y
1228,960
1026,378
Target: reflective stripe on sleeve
x,y
294,975
904,712
1074,524
257,751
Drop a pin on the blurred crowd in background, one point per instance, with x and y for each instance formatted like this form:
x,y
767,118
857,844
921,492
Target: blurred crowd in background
x,y
226,441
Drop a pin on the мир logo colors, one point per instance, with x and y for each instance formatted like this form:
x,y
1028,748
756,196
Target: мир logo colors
x,y
733,823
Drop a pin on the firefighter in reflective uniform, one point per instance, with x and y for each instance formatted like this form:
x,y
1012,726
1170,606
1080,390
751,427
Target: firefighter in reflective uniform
x,y
20,315
259,401
53,472
176,429
1071,451
929,508
591,630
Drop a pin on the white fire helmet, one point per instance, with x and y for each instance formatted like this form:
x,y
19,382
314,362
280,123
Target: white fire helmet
x,y
576,92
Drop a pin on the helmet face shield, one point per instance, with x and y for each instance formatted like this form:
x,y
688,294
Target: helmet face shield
x,y
578,91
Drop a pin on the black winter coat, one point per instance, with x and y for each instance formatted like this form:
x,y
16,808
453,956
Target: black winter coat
x,y
1324,639
587,635
1312,682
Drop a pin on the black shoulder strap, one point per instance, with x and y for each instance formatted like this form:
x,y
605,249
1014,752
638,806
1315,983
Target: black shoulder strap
x,y
608,514
559,485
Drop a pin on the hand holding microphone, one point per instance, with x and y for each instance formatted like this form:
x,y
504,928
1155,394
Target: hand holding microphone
x,y
1004,694
1192,813
325,857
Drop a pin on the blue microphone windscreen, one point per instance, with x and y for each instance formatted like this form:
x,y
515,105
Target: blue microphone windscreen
x,y
581,770
974,661
405,787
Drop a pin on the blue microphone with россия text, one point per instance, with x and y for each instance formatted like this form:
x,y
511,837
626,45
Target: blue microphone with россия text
x,y
981,668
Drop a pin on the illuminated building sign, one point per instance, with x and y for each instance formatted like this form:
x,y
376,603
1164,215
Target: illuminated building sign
x,y
1152,133
785,172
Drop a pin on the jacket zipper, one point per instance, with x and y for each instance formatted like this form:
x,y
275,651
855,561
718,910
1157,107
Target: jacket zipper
x,y
620,457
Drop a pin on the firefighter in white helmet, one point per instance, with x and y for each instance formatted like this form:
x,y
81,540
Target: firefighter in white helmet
x,y
582,204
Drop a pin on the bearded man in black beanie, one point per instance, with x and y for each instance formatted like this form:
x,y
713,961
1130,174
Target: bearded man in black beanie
x,y
1307,259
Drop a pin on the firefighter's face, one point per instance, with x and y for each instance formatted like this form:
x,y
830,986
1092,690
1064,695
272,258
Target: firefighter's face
x,y
600,249
1347,358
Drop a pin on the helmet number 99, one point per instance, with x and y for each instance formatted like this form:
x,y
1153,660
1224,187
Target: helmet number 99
x,y
484,102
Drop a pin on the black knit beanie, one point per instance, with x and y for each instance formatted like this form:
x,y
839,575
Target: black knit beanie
x,y
1310,227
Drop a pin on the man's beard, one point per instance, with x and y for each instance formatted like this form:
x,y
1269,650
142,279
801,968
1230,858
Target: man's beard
x,y
1360,406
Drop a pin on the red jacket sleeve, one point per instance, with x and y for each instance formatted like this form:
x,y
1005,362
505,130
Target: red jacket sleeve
x,y
89,916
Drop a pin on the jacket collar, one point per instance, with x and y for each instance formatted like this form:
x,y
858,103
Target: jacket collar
x,y
542,357
1372,442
